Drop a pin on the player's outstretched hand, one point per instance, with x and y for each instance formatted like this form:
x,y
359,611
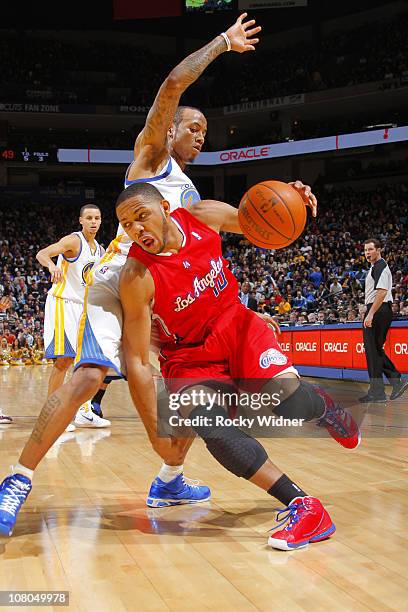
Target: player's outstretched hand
x,y
270,321
5,302
308,197
241,34
56,274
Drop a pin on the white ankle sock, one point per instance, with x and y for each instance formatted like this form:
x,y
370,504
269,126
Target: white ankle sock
x,y
20,469
169,472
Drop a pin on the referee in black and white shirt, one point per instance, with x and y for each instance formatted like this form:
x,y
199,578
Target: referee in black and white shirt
x,y
377,321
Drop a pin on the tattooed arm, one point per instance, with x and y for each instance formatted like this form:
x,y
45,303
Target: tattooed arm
x,y
151,144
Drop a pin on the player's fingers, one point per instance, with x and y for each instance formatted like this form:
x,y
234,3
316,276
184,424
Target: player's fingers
x,y
253,31
241,18
313,208
248,24
253,41
313,200
249,48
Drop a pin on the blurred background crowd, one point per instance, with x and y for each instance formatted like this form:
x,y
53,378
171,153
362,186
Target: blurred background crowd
x,y
330,70
34,62
317,280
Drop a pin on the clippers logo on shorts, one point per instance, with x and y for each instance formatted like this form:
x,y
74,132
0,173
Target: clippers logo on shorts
x,y
272,356
215,279
189,196
86,270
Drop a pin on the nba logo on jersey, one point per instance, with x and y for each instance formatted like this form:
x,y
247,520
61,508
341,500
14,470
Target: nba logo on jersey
x,y
186,264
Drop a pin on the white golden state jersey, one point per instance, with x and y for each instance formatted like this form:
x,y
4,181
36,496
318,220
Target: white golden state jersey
x,y
76,272
175,187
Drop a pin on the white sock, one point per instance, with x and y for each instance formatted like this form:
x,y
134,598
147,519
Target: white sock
x,y
20,469
169,472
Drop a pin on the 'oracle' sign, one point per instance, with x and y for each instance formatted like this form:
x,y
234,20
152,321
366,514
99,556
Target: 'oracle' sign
x,y
341,348
306,347
243,154
336,351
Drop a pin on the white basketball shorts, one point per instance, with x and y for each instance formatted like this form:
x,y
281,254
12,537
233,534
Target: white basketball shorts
x,y
61,321
100,328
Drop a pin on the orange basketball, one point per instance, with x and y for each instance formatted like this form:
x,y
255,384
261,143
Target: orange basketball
x,y
272,214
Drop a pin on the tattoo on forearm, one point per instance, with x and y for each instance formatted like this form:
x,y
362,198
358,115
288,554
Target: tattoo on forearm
x,y
46,413
166,102
197,62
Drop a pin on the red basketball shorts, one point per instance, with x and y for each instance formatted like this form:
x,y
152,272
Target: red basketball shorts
x,y
240,348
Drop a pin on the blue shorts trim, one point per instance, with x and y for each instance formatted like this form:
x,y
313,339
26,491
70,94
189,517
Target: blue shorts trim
x,y
50,350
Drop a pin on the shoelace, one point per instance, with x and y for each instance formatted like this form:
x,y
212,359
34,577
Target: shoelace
x,y
194,484
15,496
331,418
292,515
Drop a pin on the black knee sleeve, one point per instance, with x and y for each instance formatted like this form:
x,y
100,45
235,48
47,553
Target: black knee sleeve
x,y
304,404
232,448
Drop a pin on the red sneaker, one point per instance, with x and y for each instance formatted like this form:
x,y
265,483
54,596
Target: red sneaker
x,y
308,522
338,422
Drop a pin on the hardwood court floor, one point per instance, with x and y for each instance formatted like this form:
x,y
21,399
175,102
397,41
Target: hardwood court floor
x,y
85,528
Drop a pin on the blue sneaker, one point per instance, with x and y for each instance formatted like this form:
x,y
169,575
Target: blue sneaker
x,y
178,491
14,491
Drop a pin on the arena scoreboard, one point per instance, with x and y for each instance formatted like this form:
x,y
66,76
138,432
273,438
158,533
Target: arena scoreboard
x,y
25,154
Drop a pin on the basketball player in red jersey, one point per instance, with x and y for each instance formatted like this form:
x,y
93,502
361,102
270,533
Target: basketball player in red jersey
x,y
170,133
175,273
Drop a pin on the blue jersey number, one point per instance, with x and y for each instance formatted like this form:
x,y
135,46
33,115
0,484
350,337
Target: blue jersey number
x,y
220,284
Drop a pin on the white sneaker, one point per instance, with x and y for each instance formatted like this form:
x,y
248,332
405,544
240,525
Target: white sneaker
x,y
86,418
4,419
70,428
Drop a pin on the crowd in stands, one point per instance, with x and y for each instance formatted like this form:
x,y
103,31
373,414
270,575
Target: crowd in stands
x,y
36,68
319,279
27,226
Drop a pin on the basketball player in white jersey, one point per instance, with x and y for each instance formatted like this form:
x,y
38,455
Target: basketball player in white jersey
x,y
170,139
77,252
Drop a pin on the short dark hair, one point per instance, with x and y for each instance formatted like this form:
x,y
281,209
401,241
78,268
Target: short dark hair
x,y
85,206
146,190
178,117
375,241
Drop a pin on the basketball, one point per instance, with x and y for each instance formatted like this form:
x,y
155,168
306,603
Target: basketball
x,y
272,214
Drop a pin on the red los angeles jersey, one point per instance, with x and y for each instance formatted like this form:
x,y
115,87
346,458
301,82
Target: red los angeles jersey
x,y
192,287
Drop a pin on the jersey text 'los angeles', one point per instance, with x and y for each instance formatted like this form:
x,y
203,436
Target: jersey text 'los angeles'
x,y
192,287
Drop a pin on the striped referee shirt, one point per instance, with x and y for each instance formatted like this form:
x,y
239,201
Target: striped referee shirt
x,y
378,277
